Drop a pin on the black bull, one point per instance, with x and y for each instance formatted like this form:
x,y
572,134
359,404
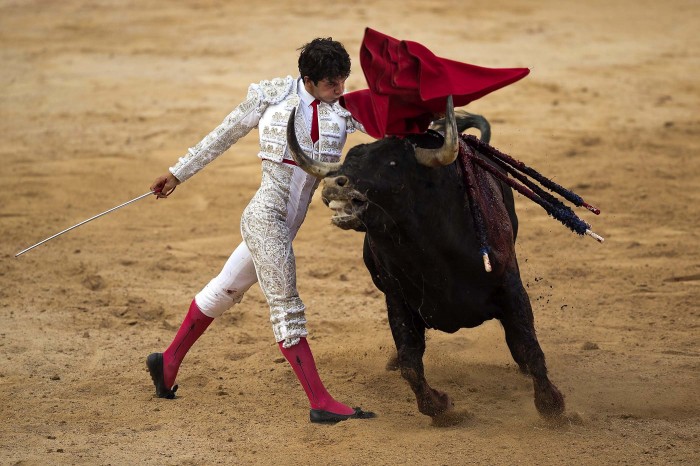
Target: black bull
x,y
422,251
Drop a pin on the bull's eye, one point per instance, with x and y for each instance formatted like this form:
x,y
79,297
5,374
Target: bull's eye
x,y
392,163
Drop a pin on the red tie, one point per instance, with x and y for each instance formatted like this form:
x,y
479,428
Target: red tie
x,y
314,121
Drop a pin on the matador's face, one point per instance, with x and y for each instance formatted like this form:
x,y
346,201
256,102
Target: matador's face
x,y
327,90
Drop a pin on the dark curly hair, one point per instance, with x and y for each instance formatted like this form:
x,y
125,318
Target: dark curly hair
x,y
324,58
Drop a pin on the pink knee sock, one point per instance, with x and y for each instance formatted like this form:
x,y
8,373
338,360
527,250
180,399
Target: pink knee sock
x,y
302,361
191,329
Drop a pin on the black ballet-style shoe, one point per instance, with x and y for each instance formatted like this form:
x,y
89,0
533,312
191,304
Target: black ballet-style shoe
x,y
326,417
154,362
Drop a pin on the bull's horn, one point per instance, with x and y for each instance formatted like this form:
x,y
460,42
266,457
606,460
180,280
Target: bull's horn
x,y
446,154
312,167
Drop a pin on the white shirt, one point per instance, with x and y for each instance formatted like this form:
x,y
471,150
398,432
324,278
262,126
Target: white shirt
x,y
306,101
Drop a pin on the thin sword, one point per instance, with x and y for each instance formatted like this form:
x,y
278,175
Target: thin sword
x,y
84,222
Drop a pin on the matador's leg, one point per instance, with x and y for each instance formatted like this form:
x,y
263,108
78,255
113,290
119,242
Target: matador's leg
x,y
268,226
221,293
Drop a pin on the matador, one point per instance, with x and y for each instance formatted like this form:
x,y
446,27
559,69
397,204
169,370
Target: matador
x,y
272,218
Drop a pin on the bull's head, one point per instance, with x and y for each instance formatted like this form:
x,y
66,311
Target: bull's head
x,y
375,174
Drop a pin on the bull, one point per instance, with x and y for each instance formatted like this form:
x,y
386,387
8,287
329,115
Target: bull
x,y
409,197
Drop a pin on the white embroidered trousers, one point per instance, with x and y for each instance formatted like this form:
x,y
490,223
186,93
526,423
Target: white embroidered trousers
x,y
268,225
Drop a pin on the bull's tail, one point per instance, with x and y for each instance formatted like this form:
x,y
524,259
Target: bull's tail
x,y
466,120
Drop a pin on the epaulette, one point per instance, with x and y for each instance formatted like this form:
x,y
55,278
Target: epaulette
x,y
275,90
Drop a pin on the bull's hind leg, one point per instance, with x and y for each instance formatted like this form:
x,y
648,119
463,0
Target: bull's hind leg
x,y
409,337
519,326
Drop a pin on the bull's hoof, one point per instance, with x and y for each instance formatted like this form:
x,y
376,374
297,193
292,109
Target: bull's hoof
x,y
393,363
435,403
548,400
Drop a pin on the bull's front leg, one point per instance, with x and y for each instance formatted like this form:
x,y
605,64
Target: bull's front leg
x,y
409,337
519,326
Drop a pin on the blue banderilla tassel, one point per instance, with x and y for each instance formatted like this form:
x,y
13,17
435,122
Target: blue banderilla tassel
x,y
553,206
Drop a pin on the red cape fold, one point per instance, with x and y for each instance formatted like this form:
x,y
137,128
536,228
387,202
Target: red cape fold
x,y
408,85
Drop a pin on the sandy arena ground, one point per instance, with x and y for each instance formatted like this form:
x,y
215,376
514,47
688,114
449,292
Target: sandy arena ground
x,y
98,98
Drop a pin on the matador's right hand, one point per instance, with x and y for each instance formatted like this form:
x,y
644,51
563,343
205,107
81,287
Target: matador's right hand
x,y
164,185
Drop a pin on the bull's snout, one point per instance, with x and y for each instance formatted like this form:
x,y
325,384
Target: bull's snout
x,y
347,203
333,187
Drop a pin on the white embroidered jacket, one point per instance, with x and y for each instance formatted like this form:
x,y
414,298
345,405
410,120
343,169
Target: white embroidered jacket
x,y
268,106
